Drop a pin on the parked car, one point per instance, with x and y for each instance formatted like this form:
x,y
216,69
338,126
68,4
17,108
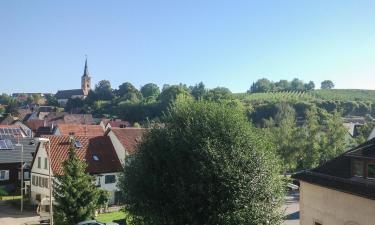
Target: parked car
x,y
94,222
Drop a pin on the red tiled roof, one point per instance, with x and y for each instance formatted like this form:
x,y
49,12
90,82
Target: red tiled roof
x,y
80,130
35,124
129,137
100,146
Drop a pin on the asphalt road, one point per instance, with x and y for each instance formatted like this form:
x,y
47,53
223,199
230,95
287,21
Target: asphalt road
x,y
12,216
291,207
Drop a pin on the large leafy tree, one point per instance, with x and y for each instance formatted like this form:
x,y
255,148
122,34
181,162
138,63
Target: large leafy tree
x,y
327,84
75,192
103,90
150,90
207,166
198,91
127,91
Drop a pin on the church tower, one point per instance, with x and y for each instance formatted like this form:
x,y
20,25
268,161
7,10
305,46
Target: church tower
x,y
86,80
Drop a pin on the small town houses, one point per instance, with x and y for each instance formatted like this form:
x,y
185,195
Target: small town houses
x,y
341,191
104,154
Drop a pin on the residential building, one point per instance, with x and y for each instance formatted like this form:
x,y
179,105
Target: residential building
x,y
98,152
108,123
64,95
341,191
11,161
125,141
79,130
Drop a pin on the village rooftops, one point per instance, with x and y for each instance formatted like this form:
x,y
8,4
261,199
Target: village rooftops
x,y
97,152
10,152
352,172
79,130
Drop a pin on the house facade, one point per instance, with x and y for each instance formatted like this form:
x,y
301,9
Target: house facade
x,y
97,152
341,191
15,153
63,96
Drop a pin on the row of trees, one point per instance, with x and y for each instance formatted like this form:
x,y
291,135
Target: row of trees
x,y
265,85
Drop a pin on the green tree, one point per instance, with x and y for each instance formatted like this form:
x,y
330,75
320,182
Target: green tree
x,y
171,93
52,100
74,103
12,108
75,192
327,84
297,85
262,85
127,91
103,90
150,90
207,166
198,91
217,94
310,86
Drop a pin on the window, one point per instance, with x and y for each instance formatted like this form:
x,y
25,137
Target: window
x,y
4,174
39,162
110,179
26,175
33,180
78,144
371,170
95,157
358,168
38,197
45,163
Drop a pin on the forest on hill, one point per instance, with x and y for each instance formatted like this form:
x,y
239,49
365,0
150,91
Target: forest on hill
x,y
293,116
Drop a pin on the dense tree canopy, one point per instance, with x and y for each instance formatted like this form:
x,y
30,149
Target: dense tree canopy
x,y
265,85
150,90
327,84
207,166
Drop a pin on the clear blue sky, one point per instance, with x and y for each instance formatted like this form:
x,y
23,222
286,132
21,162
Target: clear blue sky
x,y
222,43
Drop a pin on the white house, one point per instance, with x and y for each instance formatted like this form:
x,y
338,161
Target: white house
x,y
97,151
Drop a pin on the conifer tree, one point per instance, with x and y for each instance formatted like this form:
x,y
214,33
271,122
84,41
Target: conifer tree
x,y
74,191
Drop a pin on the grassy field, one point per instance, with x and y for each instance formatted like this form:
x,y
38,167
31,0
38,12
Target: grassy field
x,y
109,217
294,96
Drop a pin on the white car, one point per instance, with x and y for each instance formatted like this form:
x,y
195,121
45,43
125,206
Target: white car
x,y
94,222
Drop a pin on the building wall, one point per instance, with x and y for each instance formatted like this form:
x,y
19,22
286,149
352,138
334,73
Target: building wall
x,y
39,172
119,148
111,188
331,207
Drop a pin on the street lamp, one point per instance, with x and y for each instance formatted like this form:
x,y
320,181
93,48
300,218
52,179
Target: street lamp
x,y
46,140
20,145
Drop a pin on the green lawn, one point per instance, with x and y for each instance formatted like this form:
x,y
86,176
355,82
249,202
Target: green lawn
x,y
109,217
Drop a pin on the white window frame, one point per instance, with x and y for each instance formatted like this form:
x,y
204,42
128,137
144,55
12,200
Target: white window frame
x,y
4,174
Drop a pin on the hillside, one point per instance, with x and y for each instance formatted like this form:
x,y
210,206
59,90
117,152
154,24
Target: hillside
x,y
327,94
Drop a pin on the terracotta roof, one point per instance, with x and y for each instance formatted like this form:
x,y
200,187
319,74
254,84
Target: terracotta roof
x,y
80,130
35,124
129,137
100,146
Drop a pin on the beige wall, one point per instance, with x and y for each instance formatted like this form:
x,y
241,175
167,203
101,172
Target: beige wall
x,y
330,207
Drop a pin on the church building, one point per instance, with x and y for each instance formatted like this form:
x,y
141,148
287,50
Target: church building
x,y
64,95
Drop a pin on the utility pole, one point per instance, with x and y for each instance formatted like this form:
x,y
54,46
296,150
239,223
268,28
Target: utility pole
x,y
22,189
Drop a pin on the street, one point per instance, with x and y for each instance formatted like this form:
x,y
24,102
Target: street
x,y
291,207
11,216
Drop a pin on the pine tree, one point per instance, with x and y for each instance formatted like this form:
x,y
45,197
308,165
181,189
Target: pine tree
x,y
75,192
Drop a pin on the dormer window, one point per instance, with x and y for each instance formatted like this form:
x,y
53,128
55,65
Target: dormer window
x,y
77,144
95,157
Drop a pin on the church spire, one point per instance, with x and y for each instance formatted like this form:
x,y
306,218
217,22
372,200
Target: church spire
x,y
86,71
